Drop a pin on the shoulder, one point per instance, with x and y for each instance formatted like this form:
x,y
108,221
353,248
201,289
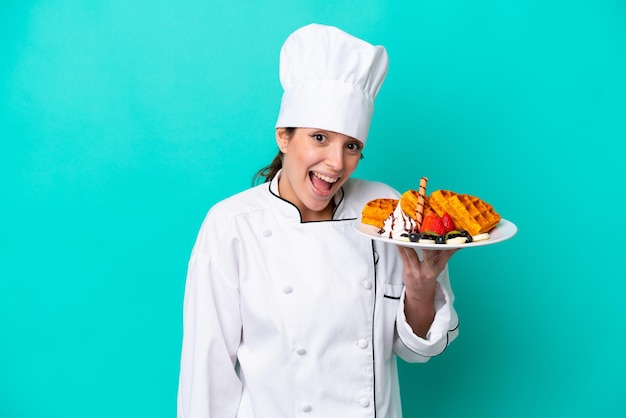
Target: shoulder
x,y
223,216
244,202
368,190
358,192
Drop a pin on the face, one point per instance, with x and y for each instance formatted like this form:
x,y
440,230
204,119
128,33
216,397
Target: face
x,y
316,163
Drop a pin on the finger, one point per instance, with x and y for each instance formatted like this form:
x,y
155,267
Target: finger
x,y
405,252
409,256
402,253
447,254
438,258
431,256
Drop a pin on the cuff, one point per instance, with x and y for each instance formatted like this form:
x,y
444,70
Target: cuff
x,y
445,322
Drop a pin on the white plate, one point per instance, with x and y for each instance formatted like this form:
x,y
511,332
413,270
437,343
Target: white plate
x,y
503,231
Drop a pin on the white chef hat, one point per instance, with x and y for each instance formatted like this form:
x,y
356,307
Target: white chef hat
x,y
330,80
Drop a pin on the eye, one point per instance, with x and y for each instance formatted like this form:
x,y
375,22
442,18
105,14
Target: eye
x,y
354,146
318,137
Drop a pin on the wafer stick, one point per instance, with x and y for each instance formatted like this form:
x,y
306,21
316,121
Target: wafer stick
x,y
421,195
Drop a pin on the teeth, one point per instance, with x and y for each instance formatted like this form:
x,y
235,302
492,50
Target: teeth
x,y
326,179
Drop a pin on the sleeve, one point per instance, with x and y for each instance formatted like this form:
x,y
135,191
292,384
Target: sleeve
x,y
208,382
442,332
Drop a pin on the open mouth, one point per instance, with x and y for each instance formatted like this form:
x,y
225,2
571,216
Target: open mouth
x,y
322,182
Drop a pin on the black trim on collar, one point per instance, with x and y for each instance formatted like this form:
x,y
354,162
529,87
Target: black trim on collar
x,y
343,194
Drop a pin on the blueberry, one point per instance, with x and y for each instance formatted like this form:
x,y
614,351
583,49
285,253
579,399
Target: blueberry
x,y
440,239
453,234
413,237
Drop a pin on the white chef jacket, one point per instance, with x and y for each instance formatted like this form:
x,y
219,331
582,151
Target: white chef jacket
x,y
283,318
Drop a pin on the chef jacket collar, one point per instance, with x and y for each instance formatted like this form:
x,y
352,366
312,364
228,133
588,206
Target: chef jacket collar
x,y
291,211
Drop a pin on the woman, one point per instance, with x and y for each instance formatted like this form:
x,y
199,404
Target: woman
x,y
287,309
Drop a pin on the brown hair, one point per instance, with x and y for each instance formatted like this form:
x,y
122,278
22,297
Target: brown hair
x,y
268,172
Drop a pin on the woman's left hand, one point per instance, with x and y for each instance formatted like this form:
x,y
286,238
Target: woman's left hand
x,y
420,281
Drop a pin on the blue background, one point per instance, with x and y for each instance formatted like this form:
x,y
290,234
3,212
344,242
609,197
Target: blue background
x,y
122,122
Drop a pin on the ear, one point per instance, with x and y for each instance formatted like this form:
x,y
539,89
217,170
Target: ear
x,y
282,139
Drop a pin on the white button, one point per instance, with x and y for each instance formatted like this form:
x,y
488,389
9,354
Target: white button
x,y
307,408
367,284
287,289
362,343
364,402
267,233
300,351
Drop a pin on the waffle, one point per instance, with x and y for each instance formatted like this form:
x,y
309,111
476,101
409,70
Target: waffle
x,y
414,203
376,211
437,200
409,205
468,212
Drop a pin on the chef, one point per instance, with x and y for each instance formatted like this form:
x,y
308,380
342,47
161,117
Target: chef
x,y
288,311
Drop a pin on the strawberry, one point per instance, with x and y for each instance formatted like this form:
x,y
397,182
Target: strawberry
x,y
448,223
433,223
428,220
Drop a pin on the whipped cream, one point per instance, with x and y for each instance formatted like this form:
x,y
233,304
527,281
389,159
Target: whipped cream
x,y
398,223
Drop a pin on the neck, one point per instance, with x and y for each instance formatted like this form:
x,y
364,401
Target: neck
x,y
323,215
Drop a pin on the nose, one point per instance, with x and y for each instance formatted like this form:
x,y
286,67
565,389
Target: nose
x,y
335,157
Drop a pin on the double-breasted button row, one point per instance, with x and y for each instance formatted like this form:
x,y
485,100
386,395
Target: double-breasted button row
x,y
367,285
363,401
287,289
